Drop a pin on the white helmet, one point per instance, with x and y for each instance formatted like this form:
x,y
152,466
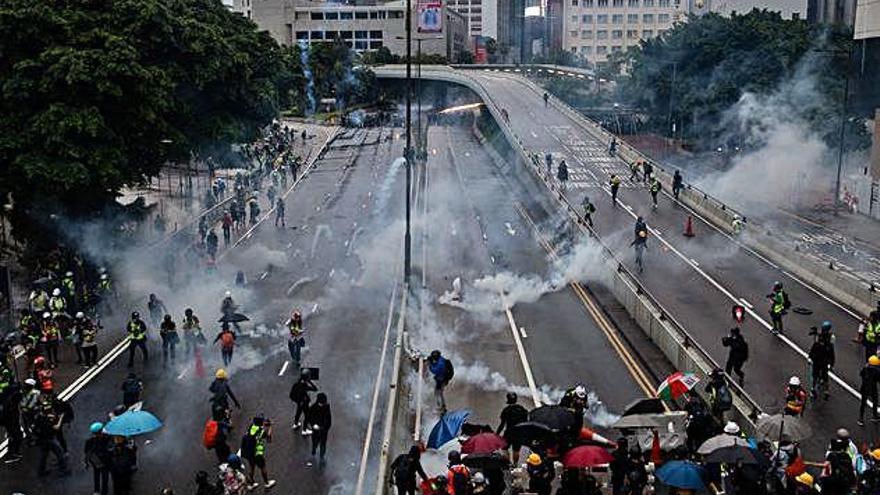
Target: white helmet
x,y
46,315
80,315
56,292
228,294
103,276
30,382
580,391
68,274
478,478
731,428
794,381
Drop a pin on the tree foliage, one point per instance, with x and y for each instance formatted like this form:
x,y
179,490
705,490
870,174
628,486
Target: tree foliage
x,y
97,94
714,60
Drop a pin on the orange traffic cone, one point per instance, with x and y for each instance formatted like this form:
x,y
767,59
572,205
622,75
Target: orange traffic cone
x,y
689,227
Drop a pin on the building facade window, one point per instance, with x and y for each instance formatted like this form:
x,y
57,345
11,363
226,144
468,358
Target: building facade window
x,y
346,16
663,3
317,16
632,18
573,34
617,34
574,3
617,3
361,15
662,18
602,3
302,35
601,34
395,14
601,19
586,35
601,50
647,34
587,50
587,19
647,18
317,35
574,19
616,49
617,19
331,16
631,34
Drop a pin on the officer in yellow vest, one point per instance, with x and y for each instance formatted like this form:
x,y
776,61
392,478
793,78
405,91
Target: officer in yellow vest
x,y
871,336
137,334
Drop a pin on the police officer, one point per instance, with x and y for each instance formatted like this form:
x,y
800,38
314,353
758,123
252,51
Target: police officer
x,y
614,182
870,375
778,304
871,336
137,333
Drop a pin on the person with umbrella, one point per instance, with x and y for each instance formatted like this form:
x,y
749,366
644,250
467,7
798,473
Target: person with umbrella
x,y
226,337
541,474
404,470
620,465
512,415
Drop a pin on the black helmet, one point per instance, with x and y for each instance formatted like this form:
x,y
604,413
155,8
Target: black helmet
x,y
511,398
188,312
435,354
167,318
734,330
135,315
777,285
454,457
839,444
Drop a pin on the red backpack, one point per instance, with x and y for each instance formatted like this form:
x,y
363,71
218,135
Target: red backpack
x,y
227,340
209,436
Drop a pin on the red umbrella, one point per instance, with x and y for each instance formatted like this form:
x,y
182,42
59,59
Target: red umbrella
x,y
484,443
586,456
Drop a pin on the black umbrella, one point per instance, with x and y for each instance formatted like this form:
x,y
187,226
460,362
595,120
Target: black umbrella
x,y
556,418
530,433
233,318
652,405
733,455
486,462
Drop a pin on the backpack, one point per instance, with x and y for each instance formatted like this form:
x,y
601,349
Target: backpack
x,y
448,371
461,482
248,446
209,436
724,401
786,303
403,468
227,340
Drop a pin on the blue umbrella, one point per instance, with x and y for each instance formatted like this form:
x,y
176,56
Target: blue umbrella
x,y
132,423
682,474
447,428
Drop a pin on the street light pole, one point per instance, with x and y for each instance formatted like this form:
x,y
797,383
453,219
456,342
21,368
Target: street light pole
x,y
840,148
407,242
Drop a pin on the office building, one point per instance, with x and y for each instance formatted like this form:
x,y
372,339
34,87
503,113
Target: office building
x,y
482,15
364,26
832,12
594,29
788,9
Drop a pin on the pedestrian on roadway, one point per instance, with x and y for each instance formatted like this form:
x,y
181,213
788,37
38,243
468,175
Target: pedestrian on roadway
x,y
279,212
640,243
123,459
548,159
589,209
319,420
647,171
614,182
870,375
404,470
299,394
634,170
795,397
562,174
612,146
47,425
677,183
168,332
137,334
871,334
821,357
295,340
97,457
157,310
221,392
226,337
720,398
192,332
512,415
132,388
779,304
253,450
737,355
227,224
654,188
442,371
546,99
212,243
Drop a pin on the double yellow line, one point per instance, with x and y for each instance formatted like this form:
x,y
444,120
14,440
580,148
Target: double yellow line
x,y
631,363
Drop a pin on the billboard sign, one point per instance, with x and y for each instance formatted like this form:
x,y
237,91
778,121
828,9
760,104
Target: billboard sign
x,y
430,16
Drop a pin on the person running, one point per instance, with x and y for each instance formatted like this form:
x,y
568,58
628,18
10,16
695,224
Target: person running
x,y
279,212
192,332
512,415
779,304
442,371
97,457
319,420
168,332
253,450
737,355
157,310
221,392
654,189
795,397
589,209
137,335
614,182
634,170
299,395
562,174
404,470
870,376
226,337
295,341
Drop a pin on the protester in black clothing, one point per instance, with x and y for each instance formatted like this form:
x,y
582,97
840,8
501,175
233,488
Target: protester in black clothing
x,y
47,424
319,420
737,355
132,388
299,394
10,415
123,457
404,470
221,392
870,375
97,457
512,415
620,466
822,357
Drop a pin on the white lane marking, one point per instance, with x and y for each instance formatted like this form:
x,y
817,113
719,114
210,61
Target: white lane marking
x,y
264,275
376,388
522,331
332,271
183,373
746,303
530,379
315,308
284,368
694,262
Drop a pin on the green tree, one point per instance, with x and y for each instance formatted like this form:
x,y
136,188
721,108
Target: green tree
x,y
97,94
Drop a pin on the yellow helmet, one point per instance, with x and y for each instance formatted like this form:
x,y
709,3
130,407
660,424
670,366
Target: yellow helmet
x,y
876,454
221,374
874,360
805,478
534,459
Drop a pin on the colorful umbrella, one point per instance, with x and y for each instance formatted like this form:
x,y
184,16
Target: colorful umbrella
x,y
681,474
484,443
586,456
132,423
676,385
447,428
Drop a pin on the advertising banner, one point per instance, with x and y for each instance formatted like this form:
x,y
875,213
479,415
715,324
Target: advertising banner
x,y
430,16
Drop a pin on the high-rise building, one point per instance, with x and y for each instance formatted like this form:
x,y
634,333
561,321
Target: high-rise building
x,y
832,11
789,9
594,29
364,25
866,83
510,25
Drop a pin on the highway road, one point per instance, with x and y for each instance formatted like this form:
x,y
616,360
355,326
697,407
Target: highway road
x,y
698,279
